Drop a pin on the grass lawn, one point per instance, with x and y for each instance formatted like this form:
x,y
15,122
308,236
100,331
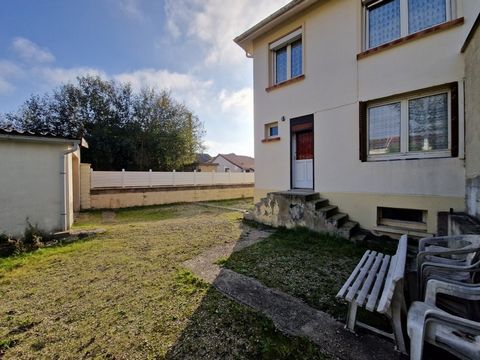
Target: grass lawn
x,y
307,265
124,294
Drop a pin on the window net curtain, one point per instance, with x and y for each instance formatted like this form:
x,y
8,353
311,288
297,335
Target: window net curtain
x,y
384,129
425,13
281,65
383,22
297,58
428,123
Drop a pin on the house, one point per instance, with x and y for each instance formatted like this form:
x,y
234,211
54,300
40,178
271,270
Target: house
x,y
39,181
363,102
201,163
233,163
204,163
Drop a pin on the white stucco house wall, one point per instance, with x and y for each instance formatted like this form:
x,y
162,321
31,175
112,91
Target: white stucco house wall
x,y
363,101
233,163
39,181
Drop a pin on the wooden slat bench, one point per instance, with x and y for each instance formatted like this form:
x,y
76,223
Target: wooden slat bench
x,y
376,283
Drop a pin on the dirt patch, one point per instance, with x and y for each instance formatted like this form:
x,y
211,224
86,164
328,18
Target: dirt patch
x,y
108,216
206,264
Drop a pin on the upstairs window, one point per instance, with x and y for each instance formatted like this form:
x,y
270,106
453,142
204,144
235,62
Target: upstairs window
x,y
387,20
287,55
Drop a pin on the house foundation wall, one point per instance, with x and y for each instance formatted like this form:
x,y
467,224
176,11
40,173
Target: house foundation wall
x,y
362,207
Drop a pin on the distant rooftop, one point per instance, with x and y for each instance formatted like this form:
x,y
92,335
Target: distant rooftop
x,y
242,161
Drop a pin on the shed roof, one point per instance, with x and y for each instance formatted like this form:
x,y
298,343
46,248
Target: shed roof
x,y
38,136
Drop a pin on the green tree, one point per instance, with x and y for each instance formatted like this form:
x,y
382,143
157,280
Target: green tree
x,y
125,130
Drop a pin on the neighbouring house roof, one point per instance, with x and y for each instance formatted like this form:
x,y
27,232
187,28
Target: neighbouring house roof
x,y
242,161
245,40
472,32
40,136
203,158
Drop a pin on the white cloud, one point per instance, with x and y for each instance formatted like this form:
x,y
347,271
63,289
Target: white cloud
x,y
31,52
243,147
58,76
5,86
130,8
184,87
235,100
215,23
8,70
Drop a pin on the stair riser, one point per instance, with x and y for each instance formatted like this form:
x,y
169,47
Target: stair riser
x,y
335,224
293,209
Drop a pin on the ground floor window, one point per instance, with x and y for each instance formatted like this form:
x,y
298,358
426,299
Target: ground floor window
x,y
421,124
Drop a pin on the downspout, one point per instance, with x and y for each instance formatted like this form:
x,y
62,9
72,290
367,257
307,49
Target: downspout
x,y
64,214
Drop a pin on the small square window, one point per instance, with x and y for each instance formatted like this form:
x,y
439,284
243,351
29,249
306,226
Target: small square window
x,y
271,130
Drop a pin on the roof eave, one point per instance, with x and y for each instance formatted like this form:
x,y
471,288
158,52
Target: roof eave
x,y
245,40
44,139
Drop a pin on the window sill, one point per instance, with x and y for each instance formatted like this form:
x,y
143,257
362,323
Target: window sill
x,y
272,139
411,156
400,231
411,37
284,83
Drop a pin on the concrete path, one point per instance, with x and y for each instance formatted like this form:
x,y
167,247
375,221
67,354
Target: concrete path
x,y
294,317
290,314
203,265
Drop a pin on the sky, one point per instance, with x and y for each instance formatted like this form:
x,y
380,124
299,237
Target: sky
x,y
185,46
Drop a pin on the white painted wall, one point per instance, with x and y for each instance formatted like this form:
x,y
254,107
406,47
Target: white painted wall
x,y
223,163
334,83
32,186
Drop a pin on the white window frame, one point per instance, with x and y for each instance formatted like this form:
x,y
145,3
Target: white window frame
x,y
286,41
267,130
404,128
450,15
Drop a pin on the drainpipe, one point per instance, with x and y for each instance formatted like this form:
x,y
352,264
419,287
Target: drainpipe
x,y
64,214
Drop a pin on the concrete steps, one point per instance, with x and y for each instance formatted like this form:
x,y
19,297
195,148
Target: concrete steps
x,y
303,208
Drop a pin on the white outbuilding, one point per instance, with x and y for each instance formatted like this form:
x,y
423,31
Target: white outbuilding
x,y
39,181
